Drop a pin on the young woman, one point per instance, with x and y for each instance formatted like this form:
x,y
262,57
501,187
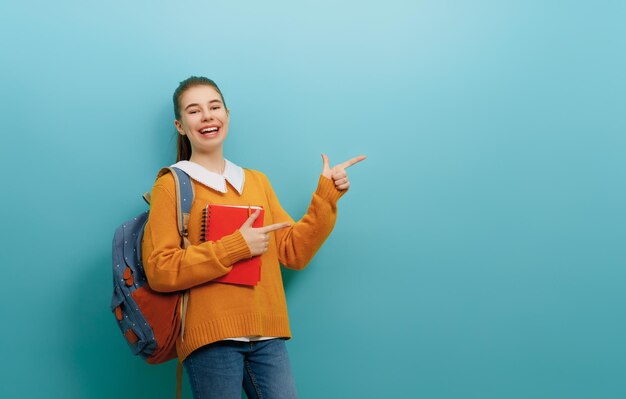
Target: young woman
x,y
234,334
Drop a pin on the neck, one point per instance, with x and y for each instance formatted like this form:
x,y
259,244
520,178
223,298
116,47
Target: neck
x,y
213,162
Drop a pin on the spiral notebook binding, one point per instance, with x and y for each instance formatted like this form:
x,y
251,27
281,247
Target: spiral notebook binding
x,y
203,226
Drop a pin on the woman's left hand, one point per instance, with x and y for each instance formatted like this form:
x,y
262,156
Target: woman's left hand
x,y
338,172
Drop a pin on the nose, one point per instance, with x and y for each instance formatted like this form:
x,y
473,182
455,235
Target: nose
x,y
206,115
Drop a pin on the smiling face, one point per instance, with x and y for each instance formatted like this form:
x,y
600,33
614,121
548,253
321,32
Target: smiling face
x,y
203,119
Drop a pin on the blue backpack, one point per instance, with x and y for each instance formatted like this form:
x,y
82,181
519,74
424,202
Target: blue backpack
x,y
150,321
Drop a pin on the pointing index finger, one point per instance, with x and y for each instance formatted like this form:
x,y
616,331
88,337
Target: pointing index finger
x,y
351,162
273,227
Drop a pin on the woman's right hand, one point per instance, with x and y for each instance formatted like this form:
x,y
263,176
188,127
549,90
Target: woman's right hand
x,y
258,238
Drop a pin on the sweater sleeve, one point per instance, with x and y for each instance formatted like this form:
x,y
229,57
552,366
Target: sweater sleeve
x,y
298,243
168,266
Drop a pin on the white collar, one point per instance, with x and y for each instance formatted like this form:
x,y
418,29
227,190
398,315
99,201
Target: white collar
x,y
233,173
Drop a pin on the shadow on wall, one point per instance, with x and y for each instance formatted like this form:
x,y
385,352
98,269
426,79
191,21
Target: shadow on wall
x,y
290,279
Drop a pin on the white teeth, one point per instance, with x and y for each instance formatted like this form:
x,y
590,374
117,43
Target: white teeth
x,y
207,130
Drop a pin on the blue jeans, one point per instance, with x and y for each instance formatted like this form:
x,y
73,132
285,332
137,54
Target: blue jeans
x,y
221,369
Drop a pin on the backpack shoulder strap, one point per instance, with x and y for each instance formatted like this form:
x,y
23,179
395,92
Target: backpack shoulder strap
x,y
184,198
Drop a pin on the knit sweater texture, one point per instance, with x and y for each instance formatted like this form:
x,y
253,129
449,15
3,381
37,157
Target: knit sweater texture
x,y
217,311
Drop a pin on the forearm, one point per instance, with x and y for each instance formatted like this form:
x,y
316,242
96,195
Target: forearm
x,y
168,266
298,244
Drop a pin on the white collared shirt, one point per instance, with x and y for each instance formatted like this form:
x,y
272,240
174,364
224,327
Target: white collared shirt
x,y
235,175
232,173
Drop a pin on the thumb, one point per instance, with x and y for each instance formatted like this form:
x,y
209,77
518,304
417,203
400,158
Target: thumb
x,y
325,166
251,219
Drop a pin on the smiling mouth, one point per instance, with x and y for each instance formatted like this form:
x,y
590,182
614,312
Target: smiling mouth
x,y
209,131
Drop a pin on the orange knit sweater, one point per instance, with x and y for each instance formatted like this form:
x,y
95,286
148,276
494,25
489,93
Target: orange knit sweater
x,y
217,311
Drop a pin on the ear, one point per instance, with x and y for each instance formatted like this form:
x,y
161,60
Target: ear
x,y
179,127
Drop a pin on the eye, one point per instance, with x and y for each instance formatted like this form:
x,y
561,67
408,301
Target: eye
x,y
216,107
193,111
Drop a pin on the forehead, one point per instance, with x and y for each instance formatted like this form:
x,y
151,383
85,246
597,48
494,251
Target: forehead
x,y
199,95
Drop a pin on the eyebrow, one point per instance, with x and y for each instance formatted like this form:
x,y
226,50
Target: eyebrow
x,y
212,101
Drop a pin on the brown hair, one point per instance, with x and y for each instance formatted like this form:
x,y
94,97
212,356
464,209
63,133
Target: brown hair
x,y
183,146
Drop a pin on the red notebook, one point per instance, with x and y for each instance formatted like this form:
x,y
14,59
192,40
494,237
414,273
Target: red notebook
x,y
221,220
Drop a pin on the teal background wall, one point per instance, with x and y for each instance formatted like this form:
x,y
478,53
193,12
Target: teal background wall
x,y
478,254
